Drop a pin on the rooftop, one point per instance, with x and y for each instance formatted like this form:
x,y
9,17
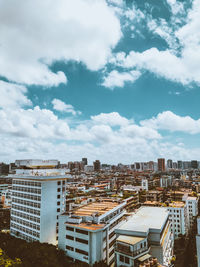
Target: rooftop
x,y
146,218
132,240
96,207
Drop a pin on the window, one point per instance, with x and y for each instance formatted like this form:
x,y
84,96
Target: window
x,y
82,231
58,190
81,240
58,203
69,237
127,260
81,251
111,253
69,248
70,228
121,258
58,196
59,183
58,210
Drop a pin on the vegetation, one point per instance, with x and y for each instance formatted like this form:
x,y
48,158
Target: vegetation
x,y
18,252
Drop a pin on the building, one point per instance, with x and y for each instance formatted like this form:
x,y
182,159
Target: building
x,y
178,218
198,241
165,181
84,161
38,197
146,234
97,165
192,209
87,233
180,164
161,165
169,164
194,164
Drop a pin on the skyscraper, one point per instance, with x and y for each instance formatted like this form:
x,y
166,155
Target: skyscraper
x,y
169,164
161,164
97,165
85,161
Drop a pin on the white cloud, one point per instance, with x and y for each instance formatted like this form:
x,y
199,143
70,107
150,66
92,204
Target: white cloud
x,y
112,119
118,79
32,123
38,33
167,120
179,63
63,107
13,95
176,7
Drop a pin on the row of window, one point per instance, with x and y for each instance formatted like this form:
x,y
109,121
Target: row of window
x,y
23,229
80,231
59,183
26,216
25,202
38,184
80,240
32,197
25,223
25,209
26,189
77,250
23,236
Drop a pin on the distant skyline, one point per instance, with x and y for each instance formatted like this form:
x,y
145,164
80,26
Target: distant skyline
x,y
113,80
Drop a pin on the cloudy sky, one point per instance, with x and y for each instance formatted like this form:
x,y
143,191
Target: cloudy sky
x,y
113,80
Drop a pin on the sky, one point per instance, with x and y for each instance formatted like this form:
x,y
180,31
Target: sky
x,y
113,80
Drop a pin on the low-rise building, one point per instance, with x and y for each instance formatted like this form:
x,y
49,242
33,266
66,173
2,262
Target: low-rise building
x,y
146,234
87,233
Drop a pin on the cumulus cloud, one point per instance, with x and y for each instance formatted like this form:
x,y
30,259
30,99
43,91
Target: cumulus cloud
x,y
63,107
34,34
118,79
112,119
179,63
13,95
167,120
32,123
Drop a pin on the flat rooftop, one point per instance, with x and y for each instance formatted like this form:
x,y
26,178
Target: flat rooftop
x,y
146,218
132,240
177,204
96,207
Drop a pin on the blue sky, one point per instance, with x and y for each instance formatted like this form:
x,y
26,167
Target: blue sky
x,y
105,79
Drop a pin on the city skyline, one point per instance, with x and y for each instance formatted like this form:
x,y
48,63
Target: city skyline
x,y
124,88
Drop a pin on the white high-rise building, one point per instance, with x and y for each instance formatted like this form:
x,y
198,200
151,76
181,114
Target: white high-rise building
x,y
38,197
179,218
192,209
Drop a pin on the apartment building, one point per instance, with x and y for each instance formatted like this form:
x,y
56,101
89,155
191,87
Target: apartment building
x,y
87,233
192,209
145,235
179,218
38,197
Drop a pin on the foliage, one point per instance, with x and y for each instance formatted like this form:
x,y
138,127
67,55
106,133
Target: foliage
x,y
24,254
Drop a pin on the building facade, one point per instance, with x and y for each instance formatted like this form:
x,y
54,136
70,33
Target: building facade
x,y
87,234
146,234
38,197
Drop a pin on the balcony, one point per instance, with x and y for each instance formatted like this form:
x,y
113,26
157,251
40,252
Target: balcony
x,y
126,250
